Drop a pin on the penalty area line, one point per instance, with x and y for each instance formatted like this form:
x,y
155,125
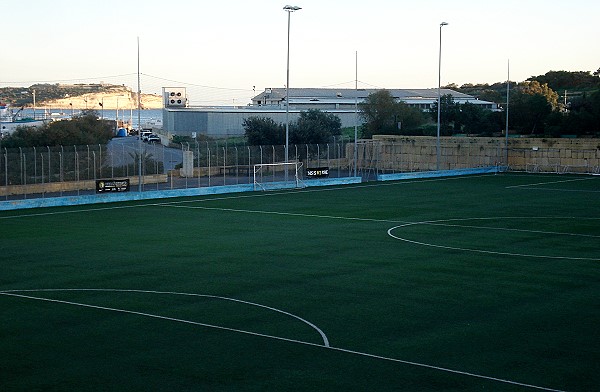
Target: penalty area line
x,y
155,316
342,350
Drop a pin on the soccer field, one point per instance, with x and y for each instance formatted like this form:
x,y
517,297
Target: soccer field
x,y
471,283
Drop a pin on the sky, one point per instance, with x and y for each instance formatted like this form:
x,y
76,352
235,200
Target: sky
x,y
225,52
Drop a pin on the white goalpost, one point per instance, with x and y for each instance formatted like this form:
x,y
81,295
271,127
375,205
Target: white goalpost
x,y
269,173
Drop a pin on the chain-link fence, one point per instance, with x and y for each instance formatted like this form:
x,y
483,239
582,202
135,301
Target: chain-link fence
x,y
75,170
215,164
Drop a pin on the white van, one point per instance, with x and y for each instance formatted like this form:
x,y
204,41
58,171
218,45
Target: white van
x,y
144,135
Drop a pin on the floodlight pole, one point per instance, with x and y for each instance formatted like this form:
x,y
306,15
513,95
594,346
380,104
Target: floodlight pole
x,y
289,9
507,101
140,173
356,114
439,102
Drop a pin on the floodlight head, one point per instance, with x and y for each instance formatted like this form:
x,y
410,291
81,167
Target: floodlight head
x,y
443,24
291,8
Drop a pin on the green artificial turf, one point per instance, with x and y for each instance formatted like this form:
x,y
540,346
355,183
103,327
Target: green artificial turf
x,y
485,283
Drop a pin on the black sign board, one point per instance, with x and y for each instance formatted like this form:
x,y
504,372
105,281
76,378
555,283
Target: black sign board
x,y
317,172
112,185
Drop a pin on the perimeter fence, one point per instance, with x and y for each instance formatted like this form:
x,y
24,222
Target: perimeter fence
x,y
75,170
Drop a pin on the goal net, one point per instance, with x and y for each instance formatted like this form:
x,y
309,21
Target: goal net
x,y
271,175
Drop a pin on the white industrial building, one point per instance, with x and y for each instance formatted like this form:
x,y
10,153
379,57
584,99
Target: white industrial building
x,y
181,119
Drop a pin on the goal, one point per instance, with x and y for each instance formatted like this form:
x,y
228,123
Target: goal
x,y
272,175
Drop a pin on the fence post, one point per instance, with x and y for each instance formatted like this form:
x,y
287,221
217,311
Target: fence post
x,y
261,161
273,161
224,163
6,171
318,155
307,160
34,165
42,168
62,173
60,167
339,157
198,158
208,154
112,163
20,166
77,171
100,159
49,173
94,152
88,161
24,176
249,164
237,169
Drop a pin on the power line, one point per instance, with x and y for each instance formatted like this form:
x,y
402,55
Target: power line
x,y
196,85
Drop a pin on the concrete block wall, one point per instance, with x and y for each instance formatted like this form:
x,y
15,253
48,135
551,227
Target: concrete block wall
x,y
70,186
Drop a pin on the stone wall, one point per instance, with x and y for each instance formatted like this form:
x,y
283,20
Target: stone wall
x,y
419,153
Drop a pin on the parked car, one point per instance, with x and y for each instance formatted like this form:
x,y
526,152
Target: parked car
x,y
153,139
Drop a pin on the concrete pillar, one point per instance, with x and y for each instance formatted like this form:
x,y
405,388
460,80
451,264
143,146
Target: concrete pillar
x,y
188,164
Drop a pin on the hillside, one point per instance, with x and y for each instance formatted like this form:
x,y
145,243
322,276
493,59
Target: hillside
x,y
111,101
78,96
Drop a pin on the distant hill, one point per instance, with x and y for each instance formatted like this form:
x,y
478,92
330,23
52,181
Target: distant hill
x,y
575,83
78,96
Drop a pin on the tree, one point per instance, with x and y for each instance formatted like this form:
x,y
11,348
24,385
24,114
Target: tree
x,y
477,120
584,116
384,115
263,131
485,92
565,80
80,130
531,104
529,111
536,88
449,114
315,127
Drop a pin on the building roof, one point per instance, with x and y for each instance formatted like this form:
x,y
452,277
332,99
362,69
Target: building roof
x,y
361,94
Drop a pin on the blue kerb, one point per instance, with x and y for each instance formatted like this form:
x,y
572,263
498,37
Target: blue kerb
x,y
441,173
166,194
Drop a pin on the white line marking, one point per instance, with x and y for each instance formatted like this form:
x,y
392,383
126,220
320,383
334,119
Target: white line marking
x,y
411,363
433,223
390,233
549,182
504,381
560,190
323,336
285,214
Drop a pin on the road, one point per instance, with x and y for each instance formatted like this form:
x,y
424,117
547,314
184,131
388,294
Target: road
x,y
122,151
